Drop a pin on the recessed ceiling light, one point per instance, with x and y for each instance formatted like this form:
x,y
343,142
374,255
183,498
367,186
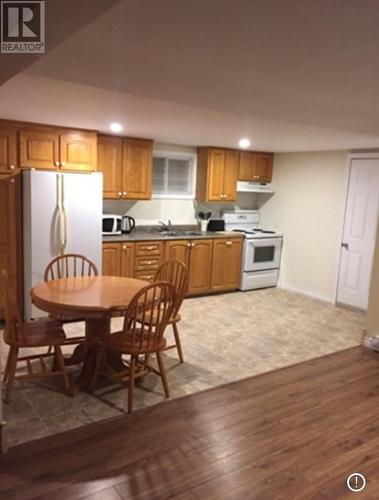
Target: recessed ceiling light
x,y
115,127
244,143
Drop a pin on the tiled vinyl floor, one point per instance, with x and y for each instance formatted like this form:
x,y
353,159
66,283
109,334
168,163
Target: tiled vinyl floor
x,y
225,338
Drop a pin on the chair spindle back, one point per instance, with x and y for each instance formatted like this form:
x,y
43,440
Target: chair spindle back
x,y
70,265
176,273
147,316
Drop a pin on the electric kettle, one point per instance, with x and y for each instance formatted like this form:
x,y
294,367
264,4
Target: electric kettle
x,y
127,224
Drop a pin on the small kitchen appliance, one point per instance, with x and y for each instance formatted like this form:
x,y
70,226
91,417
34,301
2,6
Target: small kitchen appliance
x,y
111,224
127,224
261,249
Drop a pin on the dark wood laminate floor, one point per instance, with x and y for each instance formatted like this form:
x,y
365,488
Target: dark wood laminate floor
x,y
295,433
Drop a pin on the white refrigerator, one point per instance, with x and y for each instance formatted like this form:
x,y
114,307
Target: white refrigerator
x,y
62,213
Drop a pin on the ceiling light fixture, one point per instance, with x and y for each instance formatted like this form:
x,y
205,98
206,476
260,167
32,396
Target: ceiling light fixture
x,y
115,127
244,143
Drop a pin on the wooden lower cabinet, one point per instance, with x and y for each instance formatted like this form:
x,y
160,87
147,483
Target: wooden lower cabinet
x,y
226,264
200,266
127,260
111,259
178,250
214,264
10,237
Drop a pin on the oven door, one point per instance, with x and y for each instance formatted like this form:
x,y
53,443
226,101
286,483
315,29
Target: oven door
x,y
261,254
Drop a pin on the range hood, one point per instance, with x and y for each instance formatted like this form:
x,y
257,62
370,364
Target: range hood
x,y
253,187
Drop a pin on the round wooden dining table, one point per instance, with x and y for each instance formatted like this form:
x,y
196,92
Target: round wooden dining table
x,y
94,299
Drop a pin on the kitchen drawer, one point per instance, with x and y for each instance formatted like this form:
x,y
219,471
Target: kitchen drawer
x,y
147,262
149,248
146,275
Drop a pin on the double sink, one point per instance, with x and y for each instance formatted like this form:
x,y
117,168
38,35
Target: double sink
x,y
175,232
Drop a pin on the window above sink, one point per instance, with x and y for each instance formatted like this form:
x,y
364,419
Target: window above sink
x,y
174,175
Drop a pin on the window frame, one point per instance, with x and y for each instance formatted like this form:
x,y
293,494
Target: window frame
x,y
175,155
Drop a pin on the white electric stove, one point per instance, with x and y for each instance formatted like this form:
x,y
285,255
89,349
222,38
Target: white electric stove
x,y
262,249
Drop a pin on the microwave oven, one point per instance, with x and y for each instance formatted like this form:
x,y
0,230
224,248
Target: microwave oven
x,y
111,224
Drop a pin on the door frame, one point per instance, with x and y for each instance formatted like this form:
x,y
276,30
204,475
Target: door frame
x,y
373,155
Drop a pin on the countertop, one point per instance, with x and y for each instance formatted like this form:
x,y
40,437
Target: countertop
x,y
141,235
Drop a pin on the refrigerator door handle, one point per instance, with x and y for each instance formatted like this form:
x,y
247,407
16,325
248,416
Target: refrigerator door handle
x,y
60,214
64,219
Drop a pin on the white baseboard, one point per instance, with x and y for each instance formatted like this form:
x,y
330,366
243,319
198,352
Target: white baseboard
x,y
307,292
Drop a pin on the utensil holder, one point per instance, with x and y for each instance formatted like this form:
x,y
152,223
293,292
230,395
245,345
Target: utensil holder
x,y
203,226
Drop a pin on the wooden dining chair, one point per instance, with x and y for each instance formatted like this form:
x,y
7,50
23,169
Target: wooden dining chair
x,y
176,273
36,334
154,305
67,266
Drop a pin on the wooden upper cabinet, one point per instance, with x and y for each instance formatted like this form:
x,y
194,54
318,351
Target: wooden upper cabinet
x,y
39,148
78,151
8,149
111,259
178,250
255,167
217,174
51,148
247,166
226,264
264,165
216,164
137,169
231,174
109,162
127,260
200,266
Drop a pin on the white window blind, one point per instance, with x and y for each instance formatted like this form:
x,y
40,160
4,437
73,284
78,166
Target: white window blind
x,y
173,177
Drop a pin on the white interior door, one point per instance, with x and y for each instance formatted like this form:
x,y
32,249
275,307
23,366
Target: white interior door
x,y
358,242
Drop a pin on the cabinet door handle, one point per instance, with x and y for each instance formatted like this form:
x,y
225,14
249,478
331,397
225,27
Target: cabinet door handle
x,y
124,193
228,243
189,244
119,193
150,248
57,163
63,163
124,247
11,167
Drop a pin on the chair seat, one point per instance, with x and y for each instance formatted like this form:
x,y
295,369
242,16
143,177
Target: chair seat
x,y
39,333
170,321
120,341
65,319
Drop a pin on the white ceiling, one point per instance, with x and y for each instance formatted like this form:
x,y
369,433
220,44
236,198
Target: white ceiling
x,y
292,75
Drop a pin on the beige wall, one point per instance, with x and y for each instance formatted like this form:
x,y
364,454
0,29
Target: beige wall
x,y
373,306
178,211
308,208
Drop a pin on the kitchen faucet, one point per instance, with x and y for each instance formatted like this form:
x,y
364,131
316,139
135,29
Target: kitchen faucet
x,y
166,227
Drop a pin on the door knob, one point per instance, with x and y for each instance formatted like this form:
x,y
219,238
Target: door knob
x,y
345,245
